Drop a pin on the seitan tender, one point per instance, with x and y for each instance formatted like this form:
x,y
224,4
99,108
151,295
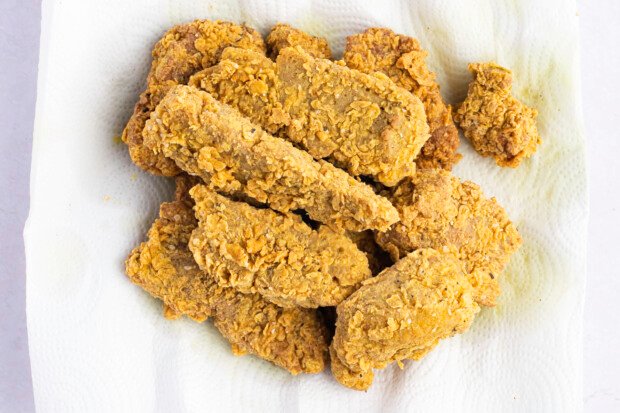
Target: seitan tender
x,y
403,60
401,314
276,255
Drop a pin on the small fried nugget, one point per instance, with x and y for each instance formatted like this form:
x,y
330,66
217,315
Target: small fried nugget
x,y
232,155
438,210
423,298
403,60
496,123
276,255
182,51
282,36
294,339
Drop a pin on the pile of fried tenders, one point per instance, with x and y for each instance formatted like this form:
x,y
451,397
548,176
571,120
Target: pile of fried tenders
x,y
309,190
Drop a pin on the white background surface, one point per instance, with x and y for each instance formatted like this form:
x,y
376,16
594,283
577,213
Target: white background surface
x,y
19,31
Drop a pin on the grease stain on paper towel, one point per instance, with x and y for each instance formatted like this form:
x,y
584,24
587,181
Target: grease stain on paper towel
x,y
529,87
531,283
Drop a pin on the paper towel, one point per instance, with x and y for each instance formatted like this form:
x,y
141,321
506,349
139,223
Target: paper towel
x,y
99,343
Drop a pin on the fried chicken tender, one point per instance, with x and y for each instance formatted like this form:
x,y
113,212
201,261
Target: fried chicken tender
x,y
496,123
400,314
282,36
437,210
182,51
403,60
209,139
293,338
364,123
276,255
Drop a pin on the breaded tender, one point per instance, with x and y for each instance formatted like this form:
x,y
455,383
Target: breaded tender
x,y
364,123
276,255
496,123
437,210
282,36
182,51
293,338
423,298
211,140
403,60
378,259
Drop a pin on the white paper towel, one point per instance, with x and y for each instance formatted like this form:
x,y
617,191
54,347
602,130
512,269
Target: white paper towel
x,y
99,343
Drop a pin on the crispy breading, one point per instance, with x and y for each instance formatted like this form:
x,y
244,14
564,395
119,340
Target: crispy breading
x,y
182,51
357,380
497,124
378,259
276,255
423,298
232,155
283,35
403,60
438,210
363,123
247,81
293,338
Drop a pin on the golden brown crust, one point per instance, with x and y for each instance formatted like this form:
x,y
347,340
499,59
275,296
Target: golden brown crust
x,y
282,36
364,123
423,298
294,338
402,59
165,268
276,255
437,210
356,380
232,155
496,123
247,81
182,51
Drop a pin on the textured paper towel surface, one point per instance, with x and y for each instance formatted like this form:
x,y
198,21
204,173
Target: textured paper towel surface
x,y
99,343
